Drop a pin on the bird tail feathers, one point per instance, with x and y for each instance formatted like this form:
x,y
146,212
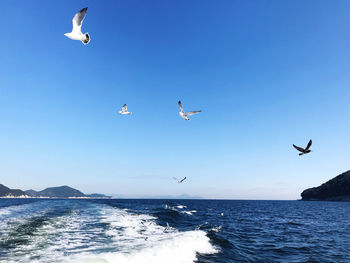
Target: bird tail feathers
x,y
300,154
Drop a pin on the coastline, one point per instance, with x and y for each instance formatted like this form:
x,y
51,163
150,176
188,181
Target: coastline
x,y
46,197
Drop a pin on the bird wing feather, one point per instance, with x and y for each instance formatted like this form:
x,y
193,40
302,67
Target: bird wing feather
x,y
193,112
180,105
298,148
308,145
182,180
78,20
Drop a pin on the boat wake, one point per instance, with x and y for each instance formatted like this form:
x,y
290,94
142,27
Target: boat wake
x,y
66,231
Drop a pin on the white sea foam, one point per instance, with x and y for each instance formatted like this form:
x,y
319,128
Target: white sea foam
x,y
189,212
17,209
216,229
100,233
174,208
179,248
139,239
13,216
54,238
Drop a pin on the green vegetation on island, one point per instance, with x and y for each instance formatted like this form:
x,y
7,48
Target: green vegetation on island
x,y
58,192
51,192
5,191
336,189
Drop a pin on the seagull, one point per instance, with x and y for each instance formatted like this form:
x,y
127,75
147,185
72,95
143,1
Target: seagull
x,y
124,110
179,181
76,33
185,114
302,150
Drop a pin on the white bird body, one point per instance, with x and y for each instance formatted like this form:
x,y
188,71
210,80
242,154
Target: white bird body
x,y
76,36
184,114
125,111
76,33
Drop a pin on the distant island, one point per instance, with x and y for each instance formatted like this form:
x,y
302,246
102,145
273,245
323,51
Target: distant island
x,y
336,189
51,192
7,192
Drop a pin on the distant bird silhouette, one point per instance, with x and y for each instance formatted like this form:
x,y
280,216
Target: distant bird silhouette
x,y
302,150
124,110
76,33
184,114
179,181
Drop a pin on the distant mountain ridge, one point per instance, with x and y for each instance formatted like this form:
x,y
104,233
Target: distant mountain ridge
x,y
31,192
51,192
5,191
336,189
58,192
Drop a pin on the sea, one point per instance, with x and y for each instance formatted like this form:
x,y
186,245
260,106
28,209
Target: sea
x,y
167,231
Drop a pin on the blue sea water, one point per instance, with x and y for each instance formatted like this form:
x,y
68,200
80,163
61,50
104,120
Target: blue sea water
x,y
37,230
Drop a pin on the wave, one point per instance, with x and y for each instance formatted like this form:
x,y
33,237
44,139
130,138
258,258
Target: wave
x,y
189,212
170,212
177,248
140,239
90,232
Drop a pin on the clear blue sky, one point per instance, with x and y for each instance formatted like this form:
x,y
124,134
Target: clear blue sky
x,y
266,74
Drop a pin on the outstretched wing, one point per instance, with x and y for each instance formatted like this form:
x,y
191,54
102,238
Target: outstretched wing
x,y
180,105
192,112
125,108
182,180
308,145
78,20
298,148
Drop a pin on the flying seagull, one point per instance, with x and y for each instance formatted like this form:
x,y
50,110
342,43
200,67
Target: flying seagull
x,y
184,114
124,110
302,150
179,181
76,33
